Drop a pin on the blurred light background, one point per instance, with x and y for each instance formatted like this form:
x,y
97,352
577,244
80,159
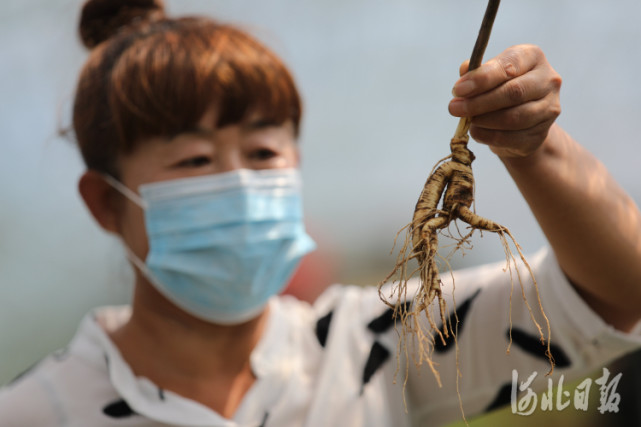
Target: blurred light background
x,y
376,77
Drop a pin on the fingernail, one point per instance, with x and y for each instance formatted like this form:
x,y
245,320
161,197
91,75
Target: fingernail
x,y
458,108
463,88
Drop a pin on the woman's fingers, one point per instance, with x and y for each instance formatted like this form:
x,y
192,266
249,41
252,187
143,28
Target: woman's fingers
x,y
513,100
520,116
511,63
520,143
532,86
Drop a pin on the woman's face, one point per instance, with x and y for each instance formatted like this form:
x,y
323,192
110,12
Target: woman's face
x,y
253,144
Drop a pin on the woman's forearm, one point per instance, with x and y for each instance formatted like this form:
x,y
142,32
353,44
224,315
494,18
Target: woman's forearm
x,y
593,226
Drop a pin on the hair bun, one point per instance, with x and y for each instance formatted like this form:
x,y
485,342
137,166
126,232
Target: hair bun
x,y
101,19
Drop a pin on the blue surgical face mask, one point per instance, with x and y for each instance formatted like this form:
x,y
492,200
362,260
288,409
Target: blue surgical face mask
x,y
221,245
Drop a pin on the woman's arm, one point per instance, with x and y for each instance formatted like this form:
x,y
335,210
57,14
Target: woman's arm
x,y
592,225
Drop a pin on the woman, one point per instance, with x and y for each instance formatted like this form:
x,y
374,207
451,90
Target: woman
x,y
188,129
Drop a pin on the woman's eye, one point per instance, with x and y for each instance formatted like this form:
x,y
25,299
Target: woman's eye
x,y
263,154
195,162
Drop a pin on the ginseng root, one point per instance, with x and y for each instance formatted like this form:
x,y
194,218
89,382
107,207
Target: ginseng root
x,y
452,181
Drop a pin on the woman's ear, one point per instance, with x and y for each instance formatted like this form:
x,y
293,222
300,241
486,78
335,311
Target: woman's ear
x,y
101,199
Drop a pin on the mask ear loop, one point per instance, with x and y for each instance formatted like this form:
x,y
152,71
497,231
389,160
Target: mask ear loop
x,y
134,197
141,266
125,191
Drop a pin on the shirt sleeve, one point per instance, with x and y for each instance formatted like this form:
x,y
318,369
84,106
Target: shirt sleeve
x,y
494,313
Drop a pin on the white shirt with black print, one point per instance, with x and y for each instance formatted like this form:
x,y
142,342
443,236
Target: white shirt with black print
x,y
335,364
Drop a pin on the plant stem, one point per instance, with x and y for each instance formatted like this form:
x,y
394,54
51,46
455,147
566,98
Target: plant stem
x,y
476,58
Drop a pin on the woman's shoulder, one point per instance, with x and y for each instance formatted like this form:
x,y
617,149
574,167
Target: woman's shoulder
x,y
26,400
369,310
72,380
45,394
350,302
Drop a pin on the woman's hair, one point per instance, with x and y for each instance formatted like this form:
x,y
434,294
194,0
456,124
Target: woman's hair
x,y
149,75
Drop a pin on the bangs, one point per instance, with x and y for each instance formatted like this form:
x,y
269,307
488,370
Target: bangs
x,y
164,82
